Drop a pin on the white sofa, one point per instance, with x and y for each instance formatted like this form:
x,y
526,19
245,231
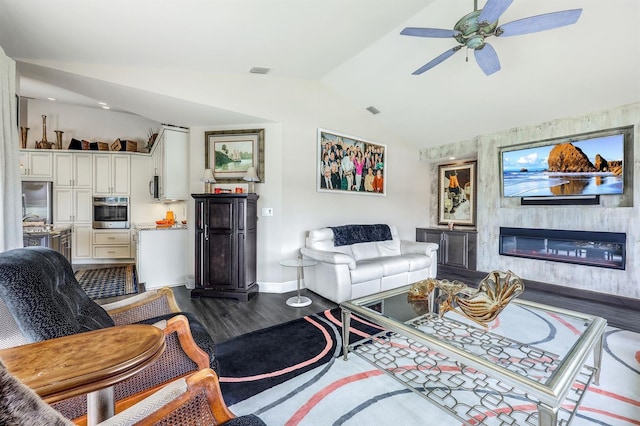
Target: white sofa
x,y
351,271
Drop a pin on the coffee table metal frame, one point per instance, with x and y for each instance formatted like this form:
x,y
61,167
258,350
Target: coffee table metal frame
x,y
548,396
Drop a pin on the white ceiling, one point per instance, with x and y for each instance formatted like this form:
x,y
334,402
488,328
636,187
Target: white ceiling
x,y
352,46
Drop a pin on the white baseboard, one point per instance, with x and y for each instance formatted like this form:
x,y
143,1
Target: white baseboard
x,y
285,287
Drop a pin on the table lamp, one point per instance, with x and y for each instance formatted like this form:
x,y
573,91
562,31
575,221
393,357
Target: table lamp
x,y
251,177
209,180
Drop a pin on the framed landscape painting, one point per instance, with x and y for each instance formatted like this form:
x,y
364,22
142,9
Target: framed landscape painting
x,y
230,153
457,194
350,165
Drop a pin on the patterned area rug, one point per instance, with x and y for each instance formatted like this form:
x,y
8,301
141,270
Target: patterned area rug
x,y
313,343
108,282
354,392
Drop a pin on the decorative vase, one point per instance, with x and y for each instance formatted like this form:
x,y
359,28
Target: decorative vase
x,y
44,144
59,138
23,137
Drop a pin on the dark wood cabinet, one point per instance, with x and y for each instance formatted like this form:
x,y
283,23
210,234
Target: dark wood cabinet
x,y
457,247
225,252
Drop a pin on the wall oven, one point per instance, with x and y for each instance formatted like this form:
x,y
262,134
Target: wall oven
x,y
111,212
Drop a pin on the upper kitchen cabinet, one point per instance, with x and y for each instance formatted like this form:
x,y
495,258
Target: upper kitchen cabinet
x,y
36,165
72,205
73,170
171,162
111,174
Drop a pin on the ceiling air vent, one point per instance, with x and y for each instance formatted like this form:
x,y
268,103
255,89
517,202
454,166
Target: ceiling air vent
x,y
259,70
373,110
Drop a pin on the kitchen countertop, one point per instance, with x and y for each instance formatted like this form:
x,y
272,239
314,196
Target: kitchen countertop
x,y
154,227
46,229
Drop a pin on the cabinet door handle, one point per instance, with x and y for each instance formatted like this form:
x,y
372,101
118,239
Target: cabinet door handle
x,y
206,232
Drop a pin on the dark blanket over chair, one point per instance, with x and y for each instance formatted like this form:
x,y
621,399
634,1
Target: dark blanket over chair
x,y
41,292
353,234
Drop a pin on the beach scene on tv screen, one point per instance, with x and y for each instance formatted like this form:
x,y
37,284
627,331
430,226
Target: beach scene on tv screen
x,y
586,167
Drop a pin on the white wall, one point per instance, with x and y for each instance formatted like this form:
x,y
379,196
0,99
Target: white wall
x,y
495,211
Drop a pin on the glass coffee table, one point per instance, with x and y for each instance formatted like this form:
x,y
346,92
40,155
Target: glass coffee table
x,y
482,375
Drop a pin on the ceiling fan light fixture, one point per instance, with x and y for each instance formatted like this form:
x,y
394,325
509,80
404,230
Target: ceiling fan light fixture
x,y
472,33
474,28
475,42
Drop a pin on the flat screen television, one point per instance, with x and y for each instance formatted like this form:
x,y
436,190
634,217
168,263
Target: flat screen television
x,y
568,168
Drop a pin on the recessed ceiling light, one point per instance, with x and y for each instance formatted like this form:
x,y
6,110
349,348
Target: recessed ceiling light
x,y
452,158
259,70
106,107
102,103
52,99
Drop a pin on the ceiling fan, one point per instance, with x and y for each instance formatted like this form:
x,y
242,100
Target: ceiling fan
x,y
473,29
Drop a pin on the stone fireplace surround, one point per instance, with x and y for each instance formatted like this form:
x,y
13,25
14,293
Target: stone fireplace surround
x,y
613,214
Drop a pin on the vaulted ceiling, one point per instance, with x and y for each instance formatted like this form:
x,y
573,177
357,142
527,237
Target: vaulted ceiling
x,y
351,46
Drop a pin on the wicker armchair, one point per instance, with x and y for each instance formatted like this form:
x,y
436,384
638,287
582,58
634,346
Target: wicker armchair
x,y
193,400
41,293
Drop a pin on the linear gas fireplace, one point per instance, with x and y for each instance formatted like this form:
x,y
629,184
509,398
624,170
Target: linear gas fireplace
x,y
602,249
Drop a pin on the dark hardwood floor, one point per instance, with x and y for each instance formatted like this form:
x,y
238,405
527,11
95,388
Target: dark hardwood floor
x,y
226,318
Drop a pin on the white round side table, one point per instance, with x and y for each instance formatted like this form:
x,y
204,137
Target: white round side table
x,y
298,301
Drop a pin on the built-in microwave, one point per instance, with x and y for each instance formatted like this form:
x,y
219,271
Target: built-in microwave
x,y
111,212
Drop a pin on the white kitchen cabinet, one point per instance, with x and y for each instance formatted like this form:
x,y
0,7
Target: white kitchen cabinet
x,y
72,198
72,170
162,257
72,205
82,248
108,244
171,162
111,174
36,165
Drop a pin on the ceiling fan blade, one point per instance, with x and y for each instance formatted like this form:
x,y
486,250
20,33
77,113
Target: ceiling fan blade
x,y
437,60
487,59
428,32
493,10
534,24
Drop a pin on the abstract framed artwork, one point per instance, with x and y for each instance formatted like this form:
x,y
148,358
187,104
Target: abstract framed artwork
x,y
350,165
457,194
230,153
